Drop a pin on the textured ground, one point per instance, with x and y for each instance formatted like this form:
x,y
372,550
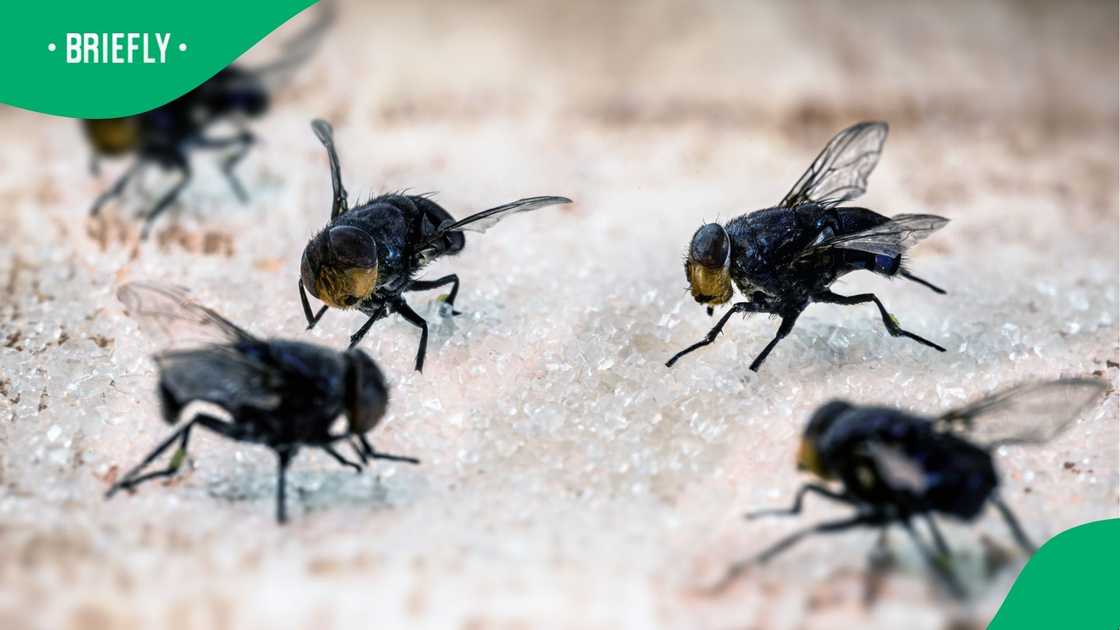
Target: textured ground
x,y
569,479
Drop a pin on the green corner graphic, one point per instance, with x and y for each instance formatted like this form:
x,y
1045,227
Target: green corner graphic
x,y
1072,582
198,39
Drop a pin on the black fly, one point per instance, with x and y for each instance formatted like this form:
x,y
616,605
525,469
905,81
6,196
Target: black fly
x,y
166,135
893,466
282,394
367,256
784,258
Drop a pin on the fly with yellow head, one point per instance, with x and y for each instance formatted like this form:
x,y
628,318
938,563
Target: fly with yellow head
x,y
167,136
784,258
368,256
895,467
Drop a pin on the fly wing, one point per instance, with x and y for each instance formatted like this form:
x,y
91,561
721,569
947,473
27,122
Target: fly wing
x,y
1032,413
892,238
482,221
841,170
209,358
220,375
298,49
896,469
169,314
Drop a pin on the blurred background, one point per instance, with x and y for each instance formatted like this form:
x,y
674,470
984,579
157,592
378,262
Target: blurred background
x,y
569,480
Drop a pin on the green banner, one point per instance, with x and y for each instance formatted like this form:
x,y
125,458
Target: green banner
x,y
1073,581
90,59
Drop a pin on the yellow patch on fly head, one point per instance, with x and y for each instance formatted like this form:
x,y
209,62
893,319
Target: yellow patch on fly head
x,y
113,136
709,285
866,476
809,460
343,288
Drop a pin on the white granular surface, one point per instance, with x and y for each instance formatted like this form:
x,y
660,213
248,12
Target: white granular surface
x,y
570,480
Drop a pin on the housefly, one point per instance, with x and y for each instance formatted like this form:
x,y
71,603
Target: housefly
x,y
368,256
278,393
784,258
167,135
894,467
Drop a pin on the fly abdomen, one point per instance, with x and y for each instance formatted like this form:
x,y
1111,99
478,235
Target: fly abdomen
x,y
887,265
853,220
878,263
961,478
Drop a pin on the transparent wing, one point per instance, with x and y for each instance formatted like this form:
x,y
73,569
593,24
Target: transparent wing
x,y
220,375
1032,413
889,239
841,170
209,357
899,471
339,198
171,316
298,49
482,221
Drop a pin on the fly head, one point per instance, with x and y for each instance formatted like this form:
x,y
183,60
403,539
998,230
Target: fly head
x,y
708,265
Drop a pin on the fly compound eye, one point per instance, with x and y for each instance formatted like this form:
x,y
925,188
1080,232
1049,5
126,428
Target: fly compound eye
x,y
352,247
710,246
308,273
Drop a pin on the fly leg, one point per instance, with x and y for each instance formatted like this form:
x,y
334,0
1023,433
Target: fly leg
x,y
1013,524
879,562
828,297
452,279
117,188
938,539
788,320
284,456
827,527
738,307
798,499
133,477
356,338
342,460
926,283
311,319
939,564
243,141
179,161
356,446
368,452
411,317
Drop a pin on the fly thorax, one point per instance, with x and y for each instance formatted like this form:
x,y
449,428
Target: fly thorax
x,y
748,288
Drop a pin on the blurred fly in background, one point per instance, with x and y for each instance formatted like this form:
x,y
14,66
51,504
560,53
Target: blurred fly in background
x,y
278,393
895,467
368,256
784,258
167,135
